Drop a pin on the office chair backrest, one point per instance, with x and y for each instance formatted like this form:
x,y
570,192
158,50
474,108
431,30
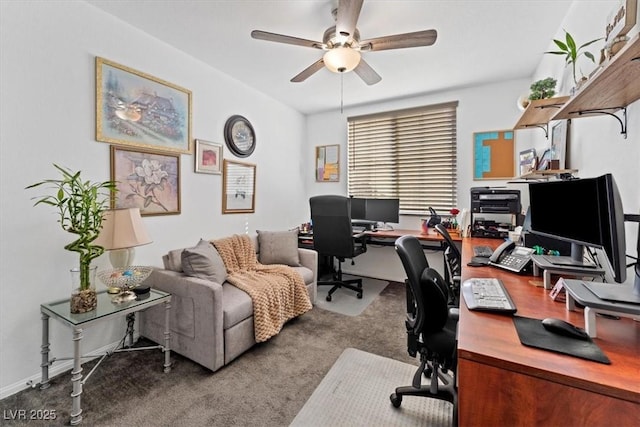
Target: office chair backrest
x,y
331,221
447,238
429,289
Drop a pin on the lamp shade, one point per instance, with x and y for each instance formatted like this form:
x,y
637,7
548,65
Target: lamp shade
x,y
341,59
122,228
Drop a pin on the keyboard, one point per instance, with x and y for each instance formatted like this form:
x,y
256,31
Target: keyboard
x,y
482,251
487,294
358,229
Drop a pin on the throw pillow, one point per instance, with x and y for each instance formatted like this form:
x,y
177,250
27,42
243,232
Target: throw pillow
x,y
204,261
278,247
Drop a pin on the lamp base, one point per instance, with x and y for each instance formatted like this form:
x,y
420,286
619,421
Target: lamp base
x,y
121,258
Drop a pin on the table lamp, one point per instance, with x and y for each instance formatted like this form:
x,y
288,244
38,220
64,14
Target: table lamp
x,y
122,230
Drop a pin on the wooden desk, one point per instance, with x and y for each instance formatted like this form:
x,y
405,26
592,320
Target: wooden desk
x,y
502,382
431,236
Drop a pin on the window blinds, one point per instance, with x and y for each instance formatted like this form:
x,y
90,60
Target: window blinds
x,y
407,154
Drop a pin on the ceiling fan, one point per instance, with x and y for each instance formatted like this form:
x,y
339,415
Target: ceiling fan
x,y
343,47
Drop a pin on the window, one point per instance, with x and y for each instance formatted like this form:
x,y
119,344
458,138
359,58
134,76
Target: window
x,y
407,154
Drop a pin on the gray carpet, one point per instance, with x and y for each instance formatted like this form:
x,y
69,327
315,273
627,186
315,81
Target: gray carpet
x,y
266,386
345,301
356,391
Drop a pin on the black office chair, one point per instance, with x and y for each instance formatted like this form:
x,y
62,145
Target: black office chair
x,y
453,265
333,237
431,328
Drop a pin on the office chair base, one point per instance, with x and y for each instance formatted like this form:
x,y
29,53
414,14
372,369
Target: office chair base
x,y
337,284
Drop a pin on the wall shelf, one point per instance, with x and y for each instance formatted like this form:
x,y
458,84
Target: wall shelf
x,y
539,112
614,86
545,175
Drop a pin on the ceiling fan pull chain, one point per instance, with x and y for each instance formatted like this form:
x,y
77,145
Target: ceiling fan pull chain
x,y
341,91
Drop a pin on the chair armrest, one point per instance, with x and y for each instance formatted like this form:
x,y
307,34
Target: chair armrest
x,y
454,313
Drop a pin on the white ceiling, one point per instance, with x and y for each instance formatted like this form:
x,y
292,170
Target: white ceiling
x,y
478,42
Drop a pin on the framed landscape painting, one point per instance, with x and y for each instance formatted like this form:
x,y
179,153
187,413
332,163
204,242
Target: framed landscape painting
x,y
137,109
145,179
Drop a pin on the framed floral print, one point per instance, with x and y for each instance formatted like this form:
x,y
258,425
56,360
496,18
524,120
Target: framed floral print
x,y
137,109
208,158
146,179
238,187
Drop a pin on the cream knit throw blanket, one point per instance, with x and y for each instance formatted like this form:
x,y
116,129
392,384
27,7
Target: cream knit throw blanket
x,y
278,292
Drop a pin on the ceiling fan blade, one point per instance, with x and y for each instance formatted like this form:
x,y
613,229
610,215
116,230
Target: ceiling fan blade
x,y
367,73
307,72
279,38
347,18
400,41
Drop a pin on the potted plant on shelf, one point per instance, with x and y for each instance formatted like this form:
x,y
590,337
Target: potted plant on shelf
x,y
81,205
572,52
543,89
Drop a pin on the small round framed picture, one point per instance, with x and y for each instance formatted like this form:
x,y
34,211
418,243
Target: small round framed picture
x,y
239,136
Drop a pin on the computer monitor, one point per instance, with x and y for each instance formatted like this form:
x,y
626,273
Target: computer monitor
x,y
584,212
383,210
358,207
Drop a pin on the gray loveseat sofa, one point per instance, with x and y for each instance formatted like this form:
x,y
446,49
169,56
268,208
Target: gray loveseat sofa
x,y
212,323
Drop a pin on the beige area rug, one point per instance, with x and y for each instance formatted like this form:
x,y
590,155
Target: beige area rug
x,y
355,392
345,301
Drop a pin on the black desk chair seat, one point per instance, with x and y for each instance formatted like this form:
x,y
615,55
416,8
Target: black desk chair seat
x,y
431,328
333,237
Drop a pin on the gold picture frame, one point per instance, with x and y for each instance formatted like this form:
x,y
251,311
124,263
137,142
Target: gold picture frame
x,y
146,179
238,187
136,109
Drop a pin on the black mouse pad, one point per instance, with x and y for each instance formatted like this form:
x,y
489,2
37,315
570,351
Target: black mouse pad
x,y
533,334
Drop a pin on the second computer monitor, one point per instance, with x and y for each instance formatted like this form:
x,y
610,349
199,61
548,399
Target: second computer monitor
x,y
383,210
358,208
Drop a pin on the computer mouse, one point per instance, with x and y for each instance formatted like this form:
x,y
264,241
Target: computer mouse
x,y
564,328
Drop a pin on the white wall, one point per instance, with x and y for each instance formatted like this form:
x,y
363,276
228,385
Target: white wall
x,y
48,101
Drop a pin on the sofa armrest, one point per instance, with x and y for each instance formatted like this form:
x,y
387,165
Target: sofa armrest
x,y
196,317
309,259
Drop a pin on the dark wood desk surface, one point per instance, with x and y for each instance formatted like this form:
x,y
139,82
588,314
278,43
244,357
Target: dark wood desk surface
x,y
500,380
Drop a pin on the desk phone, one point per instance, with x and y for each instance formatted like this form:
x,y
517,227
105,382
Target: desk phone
x,y
511,257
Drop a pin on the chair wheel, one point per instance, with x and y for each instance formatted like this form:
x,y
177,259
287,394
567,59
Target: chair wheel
x,y
395,400
359,295
328,298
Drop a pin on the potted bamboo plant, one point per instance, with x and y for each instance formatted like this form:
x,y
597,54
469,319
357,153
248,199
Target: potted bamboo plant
x,y
81,205
572,52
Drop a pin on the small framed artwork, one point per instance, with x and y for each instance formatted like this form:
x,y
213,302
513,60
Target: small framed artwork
x,y
146,179
559,138
328,163
208,158
238,187
137,109
527,161
543,164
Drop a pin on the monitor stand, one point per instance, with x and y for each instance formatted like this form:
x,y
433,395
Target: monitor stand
x,y
575,260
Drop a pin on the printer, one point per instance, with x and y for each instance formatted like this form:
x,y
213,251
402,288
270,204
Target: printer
x,y
495,200
487,200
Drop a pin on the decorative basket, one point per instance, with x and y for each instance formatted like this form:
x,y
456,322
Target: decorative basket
x,y
125,278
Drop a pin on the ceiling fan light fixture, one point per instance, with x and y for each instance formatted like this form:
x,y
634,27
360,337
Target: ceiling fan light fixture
x,y
341,59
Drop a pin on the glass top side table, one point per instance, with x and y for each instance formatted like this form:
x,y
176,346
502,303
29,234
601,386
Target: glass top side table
x,y
105,310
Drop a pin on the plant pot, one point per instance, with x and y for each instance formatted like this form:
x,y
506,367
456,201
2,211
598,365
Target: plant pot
x,y
83,300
